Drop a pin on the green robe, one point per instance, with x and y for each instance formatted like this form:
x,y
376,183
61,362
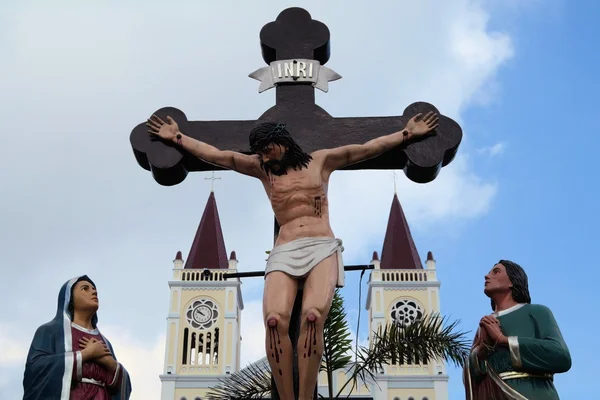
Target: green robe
x,y
536,346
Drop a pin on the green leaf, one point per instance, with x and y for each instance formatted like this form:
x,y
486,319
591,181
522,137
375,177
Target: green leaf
x,y
252,382
421,341
338,342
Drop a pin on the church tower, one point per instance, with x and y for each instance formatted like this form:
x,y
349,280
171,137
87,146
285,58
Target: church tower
x,y
203,323
402,290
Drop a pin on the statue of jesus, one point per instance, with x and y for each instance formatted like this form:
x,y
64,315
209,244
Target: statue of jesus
x,y
306,251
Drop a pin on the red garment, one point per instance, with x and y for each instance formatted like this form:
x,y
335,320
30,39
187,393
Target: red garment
x,y
91,370
486,388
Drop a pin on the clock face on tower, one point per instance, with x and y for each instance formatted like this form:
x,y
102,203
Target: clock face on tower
x,y
202,314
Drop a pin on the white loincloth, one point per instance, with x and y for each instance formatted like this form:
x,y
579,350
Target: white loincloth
x,y
297,258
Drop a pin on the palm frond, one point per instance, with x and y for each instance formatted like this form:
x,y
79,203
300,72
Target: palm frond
x,y
252,382
338,344
337,341
421,341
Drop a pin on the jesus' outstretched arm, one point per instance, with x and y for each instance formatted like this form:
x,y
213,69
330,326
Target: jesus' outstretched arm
x,y
233,160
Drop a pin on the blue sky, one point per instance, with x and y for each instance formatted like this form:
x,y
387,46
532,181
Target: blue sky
x,y
544,216
518,76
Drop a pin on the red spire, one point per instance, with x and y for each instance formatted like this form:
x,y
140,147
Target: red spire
x,y
399,250
208,248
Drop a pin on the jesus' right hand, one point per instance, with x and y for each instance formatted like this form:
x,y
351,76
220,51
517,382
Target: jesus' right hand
x,y
165,130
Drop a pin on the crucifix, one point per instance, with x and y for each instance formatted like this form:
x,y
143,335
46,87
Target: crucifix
x,y
212,179
293,148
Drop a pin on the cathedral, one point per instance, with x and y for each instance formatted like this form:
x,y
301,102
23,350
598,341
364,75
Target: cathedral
x,y
203,339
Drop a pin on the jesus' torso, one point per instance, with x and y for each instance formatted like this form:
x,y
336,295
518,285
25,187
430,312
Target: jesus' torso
x,y
299,201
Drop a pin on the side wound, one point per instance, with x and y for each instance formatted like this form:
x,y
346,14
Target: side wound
x,y
317,207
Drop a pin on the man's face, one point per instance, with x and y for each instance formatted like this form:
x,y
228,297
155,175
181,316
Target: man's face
x,y
85,297
272,155
497,280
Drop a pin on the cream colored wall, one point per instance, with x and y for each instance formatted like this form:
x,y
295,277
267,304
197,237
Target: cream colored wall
x,y
230,302
174,301
405,394
191,394
172,347
227,299
390,296
217,295
426,298
342,378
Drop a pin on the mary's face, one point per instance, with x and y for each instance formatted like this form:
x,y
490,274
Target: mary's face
x,y
85,296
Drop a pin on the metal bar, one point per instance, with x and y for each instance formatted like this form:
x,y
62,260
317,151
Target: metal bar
x,y
244,274
262,273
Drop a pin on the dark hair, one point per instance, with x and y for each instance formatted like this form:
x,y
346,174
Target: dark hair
x,y
520,284
71,306
270,132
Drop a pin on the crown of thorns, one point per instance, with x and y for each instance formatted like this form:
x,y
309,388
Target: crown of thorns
x,y
277,130
263,138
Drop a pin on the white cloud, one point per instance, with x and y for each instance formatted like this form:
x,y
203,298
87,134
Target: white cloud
x,y
457,194
14,348
12,357
494,150
143,359
77,78
253,333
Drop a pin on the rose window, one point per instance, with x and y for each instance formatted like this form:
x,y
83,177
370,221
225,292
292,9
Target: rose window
x,y
406,311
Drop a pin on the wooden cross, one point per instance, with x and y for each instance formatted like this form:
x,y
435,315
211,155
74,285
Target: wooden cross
x,y
213,179
294,46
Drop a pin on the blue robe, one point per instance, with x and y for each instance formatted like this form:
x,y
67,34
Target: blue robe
x,y
50,361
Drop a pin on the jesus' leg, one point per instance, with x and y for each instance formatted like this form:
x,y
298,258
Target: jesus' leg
x,y
316,302
278,301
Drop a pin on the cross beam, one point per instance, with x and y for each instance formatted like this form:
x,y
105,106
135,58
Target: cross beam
x,y
293,46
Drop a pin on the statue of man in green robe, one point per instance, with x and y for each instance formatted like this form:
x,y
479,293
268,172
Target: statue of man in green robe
x,y
519,347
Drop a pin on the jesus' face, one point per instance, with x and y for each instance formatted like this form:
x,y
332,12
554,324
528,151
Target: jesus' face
x,y
272,157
